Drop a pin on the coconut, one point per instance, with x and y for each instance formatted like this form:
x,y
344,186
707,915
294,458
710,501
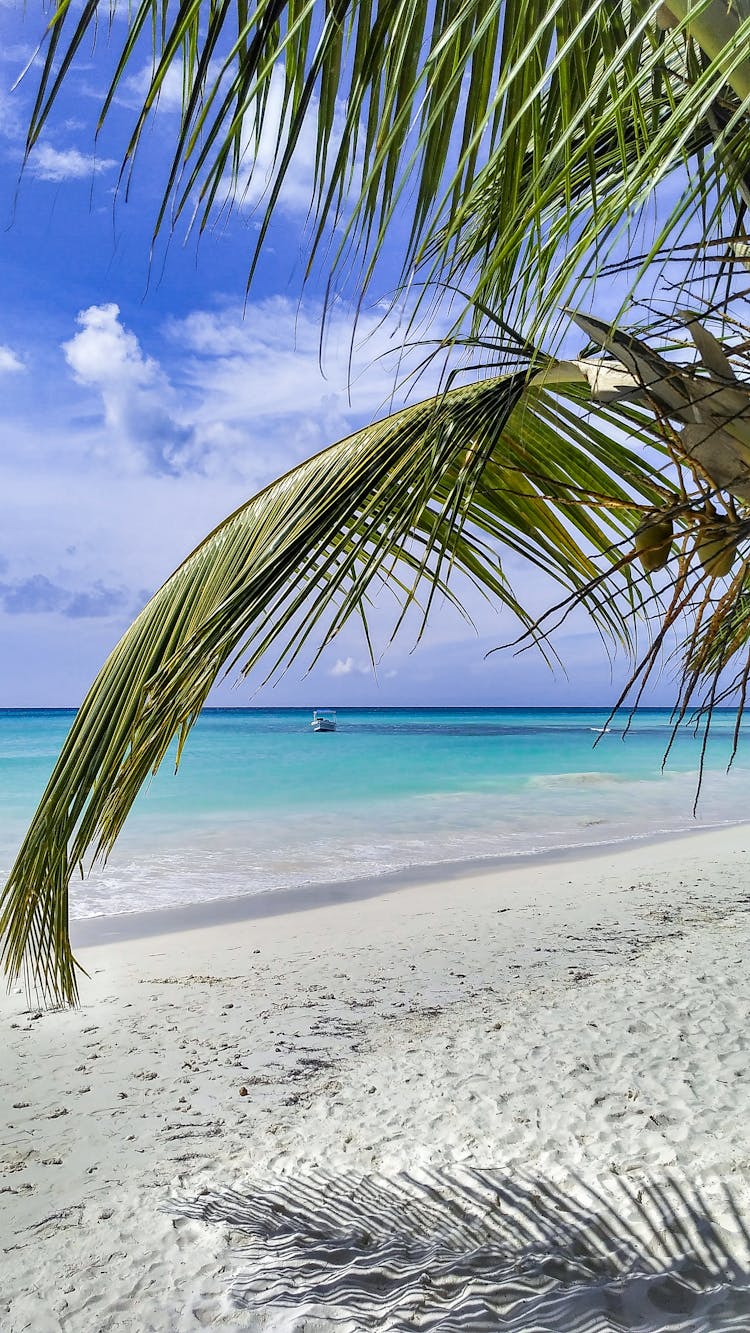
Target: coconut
x,y
716,545
653,541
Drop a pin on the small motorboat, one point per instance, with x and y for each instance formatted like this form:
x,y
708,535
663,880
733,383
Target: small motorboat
x,y
324,719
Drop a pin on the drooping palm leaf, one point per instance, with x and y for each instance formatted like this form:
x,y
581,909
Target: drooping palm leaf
x,y
515,141
436,490
704,407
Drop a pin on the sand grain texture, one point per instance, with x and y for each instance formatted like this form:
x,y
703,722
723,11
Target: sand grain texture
x,y
579,1022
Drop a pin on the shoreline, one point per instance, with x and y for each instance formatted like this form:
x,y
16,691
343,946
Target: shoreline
x,y
88,932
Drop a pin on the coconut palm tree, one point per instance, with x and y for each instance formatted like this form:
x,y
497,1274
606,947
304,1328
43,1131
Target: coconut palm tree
x,y
516,146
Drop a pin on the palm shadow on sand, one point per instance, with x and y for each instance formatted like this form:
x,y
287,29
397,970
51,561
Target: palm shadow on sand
x,y
465,1249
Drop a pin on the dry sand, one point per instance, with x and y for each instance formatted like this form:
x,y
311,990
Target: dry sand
x,y
580,1021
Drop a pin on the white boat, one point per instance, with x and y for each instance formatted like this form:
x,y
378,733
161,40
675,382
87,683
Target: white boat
x,y
324,719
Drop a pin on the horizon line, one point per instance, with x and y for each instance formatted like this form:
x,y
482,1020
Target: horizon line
x,y
391,708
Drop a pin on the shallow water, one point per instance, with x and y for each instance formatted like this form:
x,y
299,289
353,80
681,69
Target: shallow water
x,y
262,803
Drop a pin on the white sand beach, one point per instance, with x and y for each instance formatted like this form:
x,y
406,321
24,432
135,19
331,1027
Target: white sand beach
x,y
582,1023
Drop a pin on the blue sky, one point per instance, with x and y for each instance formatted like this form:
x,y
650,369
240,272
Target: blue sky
x,y
140,404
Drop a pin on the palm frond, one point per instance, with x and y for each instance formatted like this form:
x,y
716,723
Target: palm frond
x,y
517,142
697,618
434,491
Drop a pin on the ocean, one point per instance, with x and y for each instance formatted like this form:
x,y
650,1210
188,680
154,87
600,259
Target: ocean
x,y
261,803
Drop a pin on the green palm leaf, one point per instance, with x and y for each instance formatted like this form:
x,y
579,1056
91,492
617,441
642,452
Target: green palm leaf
x,y
435,491
517,141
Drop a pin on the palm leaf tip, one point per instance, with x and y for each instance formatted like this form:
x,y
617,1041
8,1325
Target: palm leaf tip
x,y
34,930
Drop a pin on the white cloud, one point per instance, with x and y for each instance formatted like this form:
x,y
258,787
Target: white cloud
x,y
140,409
230,396
260,377
347,666
135,88
259,160
11,124
235,397
9,362
53,164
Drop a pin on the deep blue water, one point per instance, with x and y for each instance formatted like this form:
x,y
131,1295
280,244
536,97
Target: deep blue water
x,y
261,802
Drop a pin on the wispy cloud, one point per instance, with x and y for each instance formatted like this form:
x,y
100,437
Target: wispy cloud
x,y
349,666
54,164
270,366
33,595
233,395
11,122
10,363
136,86
97,601
260,158
39,595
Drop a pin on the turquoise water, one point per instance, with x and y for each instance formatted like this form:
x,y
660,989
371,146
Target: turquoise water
x,y
262,803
